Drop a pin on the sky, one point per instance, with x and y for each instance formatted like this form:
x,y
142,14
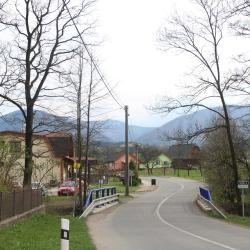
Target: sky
x,y
132,61
137,71
130,56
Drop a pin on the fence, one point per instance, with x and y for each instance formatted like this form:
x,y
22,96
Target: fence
x,y
18,202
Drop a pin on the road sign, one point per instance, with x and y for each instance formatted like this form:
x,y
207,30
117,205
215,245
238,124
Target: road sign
x,y
243,184
76,165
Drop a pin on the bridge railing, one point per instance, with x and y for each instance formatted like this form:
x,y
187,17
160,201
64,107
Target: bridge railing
x,y
99,193
99,197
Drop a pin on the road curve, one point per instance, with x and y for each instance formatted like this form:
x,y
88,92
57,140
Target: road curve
x,y
166,218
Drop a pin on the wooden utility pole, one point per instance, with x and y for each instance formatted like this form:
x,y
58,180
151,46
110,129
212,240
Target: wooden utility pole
x,y
79,136
87,174
137,160
126,153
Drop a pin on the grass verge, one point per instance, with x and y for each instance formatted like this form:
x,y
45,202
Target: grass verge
x,y
235,219
120,188
42,232
193,174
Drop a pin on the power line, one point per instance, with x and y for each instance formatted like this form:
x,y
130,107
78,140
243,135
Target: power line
x,y
104,113
91,57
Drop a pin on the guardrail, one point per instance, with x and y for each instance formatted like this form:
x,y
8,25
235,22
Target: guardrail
x,y
98,193
99,202
99,197
205,195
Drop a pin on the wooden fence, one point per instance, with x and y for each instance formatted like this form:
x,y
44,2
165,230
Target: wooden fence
x,y
18,202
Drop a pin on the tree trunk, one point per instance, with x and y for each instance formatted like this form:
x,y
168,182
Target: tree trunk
x,y
232,153
148,169
28,147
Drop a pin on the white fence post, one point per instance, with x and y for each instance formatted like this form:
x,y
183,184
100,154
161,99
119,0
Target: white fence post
x,y
64,234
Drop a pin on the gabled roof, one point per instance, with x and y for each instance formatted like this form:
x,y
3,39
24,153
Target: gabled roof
x,y
113,156
184,151
61,143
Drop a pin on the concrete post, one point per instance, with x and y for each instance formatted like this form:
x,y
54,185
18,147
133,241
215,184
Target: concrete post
x,y
64,234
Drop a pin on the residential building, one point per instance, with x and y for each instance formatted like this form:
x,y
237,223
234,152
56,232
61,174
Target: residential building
x,y
49,151
116,161
162,161
185,156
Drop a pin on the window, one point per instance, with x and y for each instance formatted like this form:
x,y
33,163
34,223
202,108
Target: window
x,y
15,146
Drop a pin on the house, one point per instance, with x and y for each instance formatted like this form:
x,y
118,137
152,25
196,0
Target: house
x,y
116,161
162,161
68,171
185,156
49,151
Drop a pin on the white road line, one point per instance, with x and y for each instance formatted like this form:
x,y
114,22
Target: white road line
x,y
157,212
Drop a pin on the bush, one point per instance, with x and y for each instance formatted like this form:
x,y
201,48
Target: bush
x,y
135,178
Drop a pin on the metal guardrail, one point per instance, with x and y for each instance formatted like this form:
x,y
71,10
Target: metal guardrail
x,y
98,193
99,202
213,206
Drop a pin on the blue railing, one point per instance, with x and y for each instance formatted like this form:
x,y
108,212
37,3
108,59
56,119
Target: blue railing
x,y
98,193
205,193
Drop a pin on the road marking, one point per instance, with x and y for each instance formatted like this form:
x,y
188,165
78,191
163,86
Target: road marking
x,y
157,212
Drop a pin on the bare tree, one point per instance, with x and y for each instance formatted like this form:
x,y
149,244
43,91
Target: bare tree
x,y
216,162
42,40
200,36
149,155
240,24
10,167
85,93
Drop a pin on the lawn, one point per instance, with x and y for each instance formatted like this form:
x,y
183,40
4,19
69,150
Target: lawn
x,y
42,232
193,174
236,219
245,221
114,182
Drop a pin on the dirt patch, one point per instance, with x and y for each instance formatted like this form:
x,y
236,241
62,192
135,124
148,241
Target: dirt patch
x,y
59,207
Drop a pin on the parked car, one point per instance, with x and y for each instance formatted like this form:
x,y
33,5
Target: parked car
x,y
68,188
39,185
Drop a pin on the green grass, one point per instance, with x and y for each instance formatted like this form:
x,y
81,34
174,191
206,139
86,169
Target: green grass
x,y
236,219
3,189
59,198
120,188
245,221
193,174
42,232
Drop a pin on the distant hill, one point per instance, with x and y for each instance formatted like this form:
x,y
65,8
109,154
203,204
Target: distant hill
x,y
115,131
202,118
110,131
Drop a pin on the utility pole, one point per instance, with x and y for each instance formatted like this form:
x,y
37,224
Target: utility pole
x,y
137,160
126,153
79,136
86,165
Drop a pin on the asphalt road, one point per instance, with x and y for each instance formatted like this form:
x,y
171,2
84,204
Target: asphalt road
x,y
166,218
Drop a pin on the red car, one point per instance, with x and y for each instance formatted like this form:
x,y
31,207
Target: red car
x,y
68,188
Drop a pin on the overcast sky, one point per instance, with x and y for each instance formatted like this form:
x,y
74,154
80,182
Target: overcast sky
x,y
130,58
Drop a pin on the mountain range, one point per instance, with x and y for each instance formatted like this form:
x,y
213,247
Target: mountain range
x,y
112,131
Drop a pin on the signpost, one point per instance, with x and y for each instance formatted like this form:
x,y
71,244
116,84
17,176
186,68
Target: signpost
x,y
243,185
